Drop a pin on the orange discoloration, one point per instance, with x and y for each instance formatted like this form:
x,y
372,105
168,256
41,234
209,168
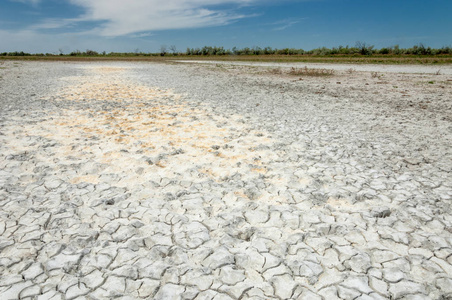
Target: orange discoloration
x,y
160,165
260,170
94,179
151,122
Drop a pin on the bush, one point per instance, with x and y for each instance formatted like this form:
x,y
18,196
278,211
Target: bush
x,y
364,49
91,53
384,51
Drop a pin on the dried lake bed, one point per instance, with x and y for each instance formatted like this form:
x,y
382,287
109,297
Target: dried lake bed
x,y
225,181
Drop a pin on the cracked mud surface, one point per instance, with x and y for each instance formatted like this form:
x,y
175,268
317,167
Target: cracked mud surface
x,y
171,181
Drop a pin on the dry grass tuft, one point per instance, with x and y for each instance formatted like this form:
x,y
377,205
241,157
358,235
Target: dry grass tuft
x,y
276,71
310,72
301,72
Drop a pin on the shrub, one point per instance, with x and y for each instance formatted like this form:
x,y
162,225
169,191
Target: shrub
x,y
364,49
310,72
91,53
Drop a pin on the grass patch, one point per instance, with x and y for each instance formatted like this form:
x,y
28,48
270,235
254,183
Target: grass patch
x,y
301,72
310,72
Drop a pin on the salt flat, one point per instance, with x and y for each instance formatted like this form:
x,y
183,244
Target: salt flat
x,y
413,69
224,181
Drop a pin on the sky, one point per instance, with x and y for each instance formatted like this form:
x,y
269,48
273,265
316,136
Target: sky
x,y
54,26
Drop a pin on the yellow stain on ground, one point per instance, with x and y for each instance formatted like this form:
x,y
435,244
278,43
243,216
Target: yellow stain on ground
x,y
149,122
94,179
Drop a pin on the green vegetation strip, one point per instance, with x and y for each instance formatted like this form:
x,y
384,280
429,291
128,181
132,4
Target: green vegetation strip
x,y
388,59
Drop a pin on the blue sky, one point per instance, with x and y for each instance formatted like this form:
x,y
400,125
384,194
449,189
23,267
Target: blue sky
x,y
144,25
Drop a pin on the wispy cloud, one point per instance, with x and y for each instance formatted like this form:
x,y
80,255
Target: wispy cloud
x,y
54,23
286,23
119,17
136,19
141,35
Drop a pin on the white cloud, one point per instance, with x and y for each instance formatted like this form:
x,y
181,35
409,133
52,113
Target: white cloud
x,y
121,17
284,24
25,40
55,23
141,35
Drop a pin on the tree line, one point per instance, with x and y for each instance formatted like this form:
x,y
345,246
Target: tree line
x,y
359,49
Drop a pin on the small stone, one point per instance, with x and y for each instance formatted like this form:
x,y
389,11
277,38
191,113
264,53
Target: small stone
x,y
137,224
110,201
380,212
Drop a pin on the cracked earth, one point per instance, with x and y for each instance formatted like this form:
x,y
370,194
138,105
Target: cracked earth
x,y
172,181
